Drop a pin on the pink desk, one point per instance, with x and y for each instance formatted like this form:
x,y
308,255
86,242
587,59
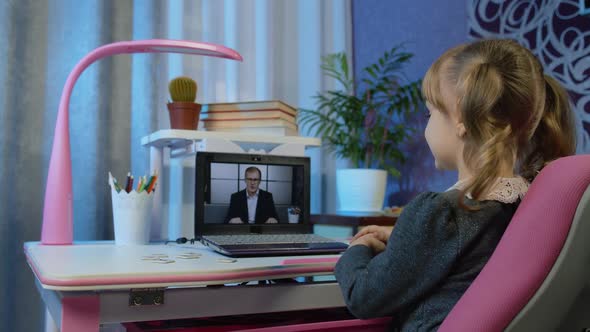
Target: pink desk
x,y
85,285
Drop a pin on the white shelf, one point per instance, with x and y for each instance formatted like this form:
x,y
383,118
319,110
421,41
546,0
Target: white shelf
x,y
174,138
173,211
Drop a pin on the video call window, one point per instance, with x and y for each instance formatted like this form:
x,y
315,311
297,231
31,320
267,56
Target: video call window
x,y
285,183
227,179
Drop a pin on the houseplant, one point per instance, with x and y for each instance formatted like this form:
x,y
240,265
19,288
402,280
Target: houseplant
x,y
365,123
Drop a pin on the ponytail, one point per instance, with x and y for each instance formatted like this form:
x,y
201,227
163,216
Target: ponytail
x,y
555,135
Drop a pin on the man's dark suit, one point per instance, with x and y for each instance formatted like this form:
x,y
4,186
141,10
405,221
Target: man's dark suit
x,y
265,207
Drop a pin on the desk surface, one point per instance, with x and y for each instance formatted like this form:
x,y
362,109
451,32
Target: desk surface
x,y
103,265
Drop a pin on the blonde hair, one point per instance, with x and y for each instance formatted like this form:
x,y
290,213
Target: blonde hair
x,y
555,135
510,109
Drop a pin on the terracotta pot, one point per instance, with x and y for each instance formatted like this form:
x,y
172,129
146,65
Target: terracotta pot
x,y
184,115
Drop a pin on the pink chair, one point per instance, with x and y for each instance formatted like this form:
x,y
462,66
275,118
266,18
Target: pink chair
x,y
536,277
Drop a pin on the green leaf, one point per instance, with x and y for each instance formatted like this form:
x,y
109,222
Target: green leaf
x,y
340,114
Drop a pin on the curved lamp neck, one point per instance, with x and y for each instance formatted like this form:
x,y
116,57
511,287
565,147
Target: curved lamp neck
x,y
58,207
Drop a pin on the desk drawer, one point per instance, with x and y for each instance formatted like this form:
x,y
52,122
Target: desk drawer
x,y
349,325
337,319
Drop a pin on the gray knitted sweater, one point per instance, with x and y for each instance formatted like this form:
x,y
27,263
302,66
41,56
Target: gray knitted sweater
x,y
434,253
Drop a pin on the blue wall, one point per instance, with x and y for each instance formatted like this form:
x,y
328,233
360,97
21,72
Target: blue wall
x,y
427,28
553,30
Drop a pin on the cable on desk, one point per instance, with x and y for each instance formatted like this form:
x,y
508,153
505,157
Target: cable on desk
x,y
181,240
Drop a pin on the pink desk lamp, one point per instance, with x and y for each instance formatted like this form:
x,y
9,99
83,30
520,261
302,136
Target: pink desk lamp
x,y
58,210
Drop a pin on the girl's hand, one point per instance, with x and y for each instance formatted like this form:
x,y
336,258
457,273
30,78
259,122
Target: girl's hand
x,y
381,233
370,241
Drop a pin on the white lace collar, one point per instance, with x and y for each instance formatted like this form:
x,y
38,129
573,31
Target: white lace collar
x,y
505,190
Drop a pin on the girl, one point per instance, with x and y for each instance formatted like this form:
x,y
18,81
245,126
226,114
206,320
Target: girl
x,y
496,119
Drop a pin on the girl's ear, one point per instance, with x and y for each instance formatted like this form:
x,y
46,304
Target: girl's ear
x,y
460,129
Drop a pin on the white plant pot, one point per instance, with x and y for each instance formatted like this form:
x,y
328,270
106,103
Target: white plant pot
x,y
360,190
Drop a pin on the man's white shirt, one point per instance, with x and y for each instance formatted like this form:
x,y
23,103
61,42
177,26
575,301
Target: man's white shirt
x,y
252,201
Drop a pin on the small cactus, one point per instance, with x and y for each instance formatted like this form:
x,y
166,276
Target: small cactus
x,y
183,89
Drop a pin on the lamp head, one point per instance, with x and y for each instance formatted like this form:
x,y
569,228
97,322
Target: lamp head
x,y
174,46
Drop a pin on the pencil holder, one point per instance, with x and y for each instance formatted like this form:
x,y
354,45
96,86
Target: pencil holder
x,y
131,217
293,215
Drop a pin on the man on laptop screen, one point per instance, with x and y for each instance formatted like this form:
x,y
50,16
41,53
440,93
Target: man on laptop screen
x,y
252,205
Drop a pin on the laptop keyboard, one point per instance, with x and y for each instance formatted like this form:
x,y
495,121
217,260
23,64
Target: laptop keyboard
x,y
267,239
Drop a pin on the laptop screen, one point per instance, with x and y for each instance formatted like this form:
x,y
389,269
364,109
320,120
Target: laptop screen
x,y
251,193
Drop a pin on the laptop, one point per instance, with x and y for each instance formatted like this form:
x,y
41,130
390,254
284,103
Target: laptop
x,y
229,185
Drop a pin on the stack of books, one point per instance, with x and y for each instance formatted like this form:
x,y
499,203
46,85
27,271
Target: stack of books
x,y
272,117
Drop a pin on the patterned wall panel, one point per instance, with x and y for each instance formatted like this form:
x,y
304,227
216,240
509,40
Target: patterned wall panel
x,y
556,32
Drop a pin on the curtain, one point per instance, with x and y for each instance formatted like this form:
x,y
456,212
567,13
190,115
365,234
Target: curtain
x,y
120,99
